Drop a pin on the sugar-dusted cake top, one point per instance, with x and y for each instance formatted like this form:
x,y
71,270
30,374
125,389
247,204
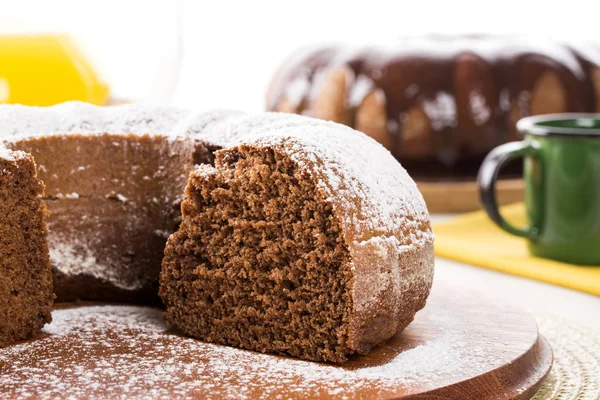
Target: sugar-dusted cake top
x,y
83,118
7,154
11,155
351,165
77,117
211,126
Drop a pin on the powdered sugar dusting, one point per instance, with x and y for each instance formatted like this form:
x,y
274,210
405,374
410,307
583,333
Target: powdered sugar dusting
x,y
75,258
7,154
71,196
125,351
77,117
12,155
210,126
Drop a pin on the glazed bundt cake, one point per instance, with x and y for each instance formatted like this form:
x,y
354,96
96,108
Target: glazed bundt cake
x,y
25,276
439,103
299,236
305,238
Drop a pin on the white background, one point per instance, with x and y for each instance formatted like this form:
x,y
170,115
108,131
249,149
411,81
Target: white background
x,y
231,48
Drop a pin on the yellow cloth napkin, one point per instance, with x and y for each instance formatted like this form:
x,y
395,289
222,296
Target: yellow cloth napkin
x,y
474,239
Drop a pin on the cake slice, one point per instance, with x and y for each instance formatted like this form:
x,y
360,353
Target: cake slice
x,y
26,286
305,238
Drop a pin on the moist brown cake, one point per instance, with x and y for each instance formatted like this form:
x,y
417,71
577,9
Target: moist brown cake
x,y
25,277
439,103
306,238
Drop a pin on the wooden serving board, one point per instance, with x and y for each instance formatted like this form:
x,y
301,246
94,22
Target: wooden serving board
x,y
458,197
461,346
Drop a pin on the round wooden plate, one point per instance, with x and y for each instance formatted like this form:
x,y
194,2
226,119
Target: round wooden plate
x,y
458,197
461,346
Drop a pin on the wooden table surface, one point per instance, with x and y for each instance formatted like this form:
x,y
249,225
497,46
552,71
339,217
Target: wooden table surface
x,y
463,345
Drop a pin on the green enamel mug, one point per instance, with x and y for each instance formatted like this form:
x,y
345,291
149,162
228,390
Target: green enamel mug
x,y
561,173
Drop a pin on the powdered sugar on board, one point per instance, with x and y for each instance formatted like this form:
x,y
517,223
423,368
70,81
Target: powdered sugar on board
x,y
127,352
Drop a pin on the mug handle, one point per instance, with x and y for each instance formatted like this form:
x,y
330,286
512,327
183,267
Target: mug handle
x,y
488,175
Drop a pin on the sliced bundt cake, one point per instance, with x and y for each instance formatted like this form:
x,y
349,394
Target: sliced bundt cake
x,y
305,238
299,236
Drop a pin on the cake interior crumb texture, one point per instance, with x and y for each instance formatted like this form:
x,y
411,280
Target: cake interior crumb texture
x,y
26,286
259,261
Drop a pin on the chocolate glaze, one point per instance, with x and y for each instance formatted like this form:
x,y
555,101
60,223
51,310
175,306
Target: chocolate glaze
x,y
472,90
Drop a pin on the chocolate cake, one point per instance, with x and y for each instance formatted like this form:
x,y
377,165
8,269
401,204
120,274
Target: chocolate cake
x,y
305,238
25,277
439,103
299,236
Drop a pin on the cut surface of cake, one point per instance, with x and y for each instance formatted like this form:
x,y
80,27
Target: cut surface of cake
x,y
305,238
25,276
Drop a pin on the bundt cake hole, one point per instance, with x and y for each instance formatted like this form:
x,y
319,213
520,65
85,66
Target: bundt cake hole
x,y
259,261
113,200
